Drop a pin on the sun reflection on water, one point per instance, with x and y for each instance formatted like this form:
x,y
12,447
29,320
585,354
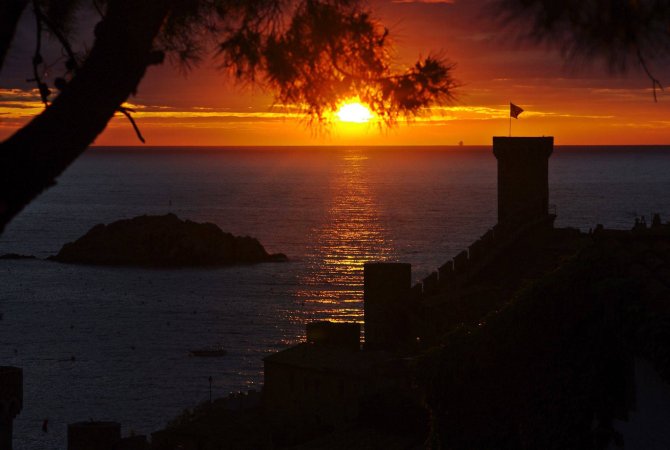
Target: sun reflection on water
x,y
351,234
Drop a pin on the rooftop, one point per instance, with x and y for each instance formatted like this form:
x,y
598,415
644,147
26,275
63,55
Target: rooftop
x,y
334,359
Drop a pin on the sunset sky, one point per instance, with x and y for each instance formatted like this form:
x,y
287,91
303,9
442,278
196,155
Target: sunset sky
x,y
576,104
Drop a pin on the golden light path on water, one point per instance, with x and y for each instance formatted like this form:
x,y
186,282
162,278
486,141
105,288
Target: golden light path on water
x,y
351,234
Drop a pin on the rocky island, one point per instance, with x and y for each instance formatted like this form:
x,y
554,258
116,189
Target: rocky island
x,y
163,241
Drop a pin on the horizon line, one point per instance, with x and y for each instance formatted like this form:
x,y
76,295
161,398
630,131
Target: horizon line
x,y
456,146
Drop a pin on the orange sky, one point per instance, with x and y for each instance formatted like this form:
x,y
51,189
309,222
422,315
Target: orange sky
x,y
576,105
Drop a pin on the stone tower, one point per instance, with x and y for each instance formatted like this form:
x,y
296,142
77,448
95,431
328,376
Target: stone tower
x,y
523,179
386,298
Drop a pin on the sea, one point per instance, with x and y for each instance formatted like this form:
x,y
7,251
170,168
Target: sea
x,y
104,343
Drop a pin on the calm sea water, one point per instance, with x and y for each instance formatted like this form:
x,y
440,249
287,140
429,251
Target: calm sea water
x,y
328,209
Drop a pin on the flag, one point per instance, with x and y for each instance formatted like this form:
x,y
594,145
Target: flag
x,y
514,110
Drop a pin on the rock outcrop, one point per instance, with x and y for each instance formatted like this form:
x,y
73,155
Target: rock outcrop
x,y
163,241
16,256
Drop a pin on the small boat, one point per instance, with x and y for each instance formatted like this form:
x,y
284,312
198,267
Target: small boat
x,y
208,352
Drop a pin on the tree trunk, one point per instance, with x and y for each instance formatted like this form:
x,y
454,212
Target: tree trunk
x,y
10,13
35,155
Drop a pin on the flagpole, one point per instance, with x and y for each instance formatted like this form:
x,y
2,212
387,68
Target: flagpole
x,y
510,121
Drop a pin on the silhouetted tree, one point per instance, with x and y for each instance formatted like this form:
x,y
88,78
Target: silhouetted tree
x,y
10,12
620,32
312,53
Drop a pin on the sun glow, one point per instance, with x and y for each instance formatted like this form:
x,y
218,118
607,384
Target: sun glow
x,y
354,112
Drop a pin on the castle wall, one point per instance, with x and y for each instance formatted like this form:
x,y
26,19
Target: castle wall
x,y
523,202
312,387
93,435
467,264
312,398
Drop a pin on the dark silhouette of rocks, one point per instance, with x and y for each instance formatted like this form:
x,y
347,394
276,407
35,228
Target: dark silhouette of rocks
x,y
163,241
16,256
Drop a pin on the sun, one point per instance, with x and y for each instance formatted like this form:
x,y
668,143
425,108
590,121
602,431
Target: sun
x,y
355,112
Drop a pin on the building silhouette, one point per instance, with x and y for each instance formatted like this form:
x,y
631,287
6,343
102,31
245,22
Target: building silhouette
x,y
322,382
11,402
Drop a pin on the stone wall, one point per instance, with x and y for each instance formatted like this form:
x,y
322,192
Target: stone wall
x,y
478,255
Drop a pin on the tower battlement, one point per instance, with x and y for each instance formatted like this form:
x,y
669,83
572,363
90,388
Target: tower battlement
x,y
523,177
